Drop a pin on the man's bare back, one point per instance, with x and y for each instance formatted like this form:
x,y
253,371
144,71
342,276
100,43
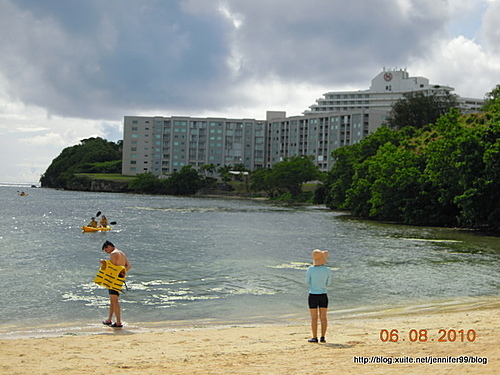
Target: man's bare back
x,y
118,258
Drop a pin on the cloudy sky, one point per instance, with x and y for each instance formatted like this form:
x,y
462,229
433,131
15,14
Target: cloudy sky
x,y
72,69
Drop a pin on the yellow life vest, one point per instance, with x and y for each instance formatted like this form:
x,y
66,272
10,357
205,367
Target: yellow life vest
x,y
111,276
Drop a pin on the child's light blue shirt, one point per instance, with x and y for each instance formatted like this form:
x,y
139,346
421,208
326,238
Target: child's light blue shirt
x,y
318,277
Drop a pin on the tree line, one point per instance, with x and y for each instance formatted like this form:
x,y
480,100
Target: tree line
x,y
283,181
443,173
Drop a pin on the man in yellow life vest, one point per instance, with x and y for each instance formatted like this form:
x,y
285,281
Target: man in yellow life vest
x,y
118,258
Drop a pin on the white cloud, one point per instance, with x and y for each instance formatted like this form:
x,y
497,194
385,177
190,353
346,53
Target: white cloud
x,y
471,67
491,26
45,140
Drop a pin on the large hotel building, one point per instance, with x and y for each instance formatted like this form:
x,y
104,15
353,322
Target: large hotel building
x,y
164,144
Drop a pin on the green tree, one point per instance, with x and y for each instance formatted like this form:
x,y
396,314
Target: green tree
x,y
292,172
185,182
208,169
224,172
339,179
476,170
396,173
492,98
419,109
348,159
263,180
446,165
147,183
90,154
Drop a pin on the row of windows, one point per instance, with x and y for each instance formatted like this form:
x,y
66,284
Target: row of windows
x,y
346,96
212,141
341,102
205,124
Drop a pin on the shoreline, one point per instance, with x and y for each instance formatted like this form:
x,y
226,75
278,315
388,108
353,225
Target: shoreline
x,y
462,305
355,345
91,327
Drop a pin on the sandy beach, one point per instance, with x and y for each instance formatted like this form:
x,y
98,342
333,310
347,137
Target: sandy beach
x,y
354,346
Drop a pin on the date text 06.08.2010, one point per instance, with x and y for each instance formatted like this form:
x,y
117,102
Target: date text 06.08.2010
x,y
424,335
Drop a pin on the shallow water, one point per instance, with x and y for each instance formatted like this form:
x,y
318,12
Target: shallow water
x,y
222,261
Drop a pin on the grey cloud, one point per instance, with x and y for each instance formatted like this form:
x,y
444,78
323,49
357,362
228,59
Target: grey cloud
x,y
103,59
333,41
116,55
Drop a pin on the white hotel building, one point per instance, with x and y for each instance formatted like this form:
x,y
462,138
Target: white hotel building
x,y
163,145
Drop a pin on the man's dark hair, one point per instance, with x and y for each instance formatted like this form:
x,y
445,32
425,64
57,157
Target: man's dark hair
x,y
106,244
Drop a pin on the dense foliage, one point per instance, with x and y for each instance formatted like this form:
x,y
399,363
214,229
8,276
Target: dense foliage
x,y
419,109
92,155
492,98
285,177
446,173
185,182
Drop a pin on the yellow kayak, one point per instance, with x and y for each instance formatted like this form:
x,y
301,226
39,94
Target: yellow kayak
x,y
93,229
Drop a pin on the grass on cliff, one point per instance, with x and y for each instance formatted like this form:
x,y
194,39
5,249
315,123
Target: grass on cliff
x,y
107,176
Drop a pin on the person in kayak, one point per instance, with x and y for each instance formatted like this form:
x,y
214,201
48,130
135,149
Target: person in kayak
x,y
118,258
104,222
93,223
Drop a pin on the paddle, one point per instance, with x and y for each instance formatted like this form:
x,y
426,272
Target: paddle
x,y
112,223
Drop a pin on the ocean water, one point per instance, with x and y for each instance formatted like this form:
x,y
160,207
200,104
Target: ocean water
x,y
198,261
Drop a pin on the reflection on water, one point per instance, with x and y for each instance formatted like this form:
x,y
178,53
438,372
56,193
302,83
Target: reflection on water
x,y
224,260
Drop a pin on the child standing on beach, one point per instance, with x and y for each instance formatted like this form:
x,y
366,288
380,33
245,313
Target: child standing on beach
x,y
318,276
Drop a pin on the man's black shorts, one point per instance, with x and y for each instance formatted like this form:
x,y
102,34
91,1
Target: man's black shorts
x,y
113,292
318,300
